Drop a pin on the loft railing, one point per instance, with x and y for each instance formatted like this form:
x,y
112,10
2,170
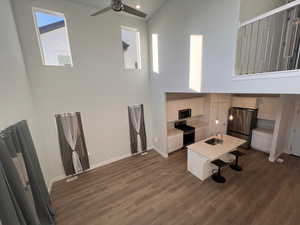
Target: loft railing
x,y
270,42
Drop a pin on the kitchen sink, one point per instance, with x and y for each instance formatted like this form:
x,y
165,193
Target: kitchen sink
x,y
214,141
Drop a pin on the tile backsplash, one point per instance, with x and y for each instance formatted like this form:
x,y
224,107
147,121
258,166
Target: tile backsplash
x,y
192,120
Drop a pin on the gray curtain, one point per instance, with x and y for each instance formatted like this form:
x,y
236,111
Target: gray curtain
x,y
15,208
18,144
66,151
133,132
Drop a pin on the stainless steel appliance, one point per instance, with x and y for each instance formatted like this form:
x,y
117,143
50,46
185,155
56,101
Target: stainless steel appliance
x,y
188,133
185,113
241,122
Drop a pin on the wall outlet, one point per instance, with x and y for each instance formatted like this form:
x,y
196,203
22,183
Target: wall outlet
x,y
155,139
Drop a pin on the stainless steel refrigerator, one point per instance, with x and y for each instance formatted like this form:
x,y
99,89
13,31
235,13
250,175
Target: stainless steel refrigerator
x,y
241,122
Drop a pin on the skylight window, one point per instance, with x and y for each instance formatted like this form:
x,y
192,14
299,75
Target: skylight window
x,y
53,38
131,48
196,52
155,63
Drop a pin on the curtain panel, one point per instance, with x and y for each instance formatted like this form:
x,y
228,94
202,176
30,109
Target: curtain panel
x,y
137,129
66,150
25,181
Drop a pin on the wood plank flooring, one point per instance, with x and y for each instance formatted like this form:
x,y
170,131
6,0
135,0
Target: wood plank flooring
x,y
151,190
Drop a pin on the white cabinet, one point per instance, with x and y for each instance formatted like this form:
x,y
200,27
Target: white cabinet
x,y
175,142
201,133
268,107
195,104
261,140
219,111
244,102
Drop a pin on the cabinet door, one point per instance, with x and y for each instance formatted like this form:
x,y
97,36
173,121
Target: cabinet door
x,y
197,106
244,102
175,142
267,108
172,111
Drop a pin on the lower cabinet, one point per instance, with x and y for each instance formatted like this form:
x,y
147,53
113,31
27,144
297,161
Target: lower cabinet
x,y
201,133
261,141
175,142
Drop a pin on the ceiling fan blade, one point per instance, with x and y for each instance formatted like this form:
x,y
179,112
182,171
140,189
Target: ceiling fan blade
x,y
133,11
101,11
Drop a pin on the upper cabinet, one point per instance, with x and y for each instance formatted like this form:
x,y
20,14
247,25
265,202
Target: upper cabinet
x,y
269,42
195,104
268,108
244,102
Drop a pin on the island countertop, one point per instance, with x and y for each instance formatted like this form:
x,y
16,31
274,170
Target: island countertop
x,y
213,152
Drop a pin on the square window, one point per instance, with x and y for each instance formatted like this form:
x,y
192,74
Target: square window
x,y
53,38
131,48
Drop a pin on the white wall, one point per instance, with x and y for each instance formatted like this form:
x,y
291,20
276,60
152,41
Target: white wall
x,y
218,22
252,8
97,85
16,101
282,128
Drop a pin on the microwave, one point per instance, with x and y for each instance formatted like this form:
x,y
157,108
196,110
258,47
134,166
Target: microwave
x,y
185,113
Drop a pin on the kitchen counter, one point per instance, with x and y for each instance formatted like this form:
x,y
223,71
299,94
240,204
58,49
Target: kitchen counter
x,y
201,154
174,132
213,152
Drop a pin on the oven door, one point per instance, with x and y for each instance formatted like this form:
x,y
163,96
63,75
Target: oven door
x,y
188,138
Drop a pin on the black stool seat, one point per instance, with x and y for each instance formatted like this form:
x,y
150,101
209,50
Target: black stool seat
x,y
217,176
237,153
219,163
235,166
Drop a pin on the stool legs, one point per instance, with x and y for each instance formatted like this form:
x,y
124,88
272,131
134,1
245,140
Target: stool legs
x,y
236,166
217,177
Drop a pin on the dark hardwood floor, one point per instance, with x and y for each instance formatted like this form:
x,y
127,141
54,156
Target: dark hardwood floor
x,y
151,190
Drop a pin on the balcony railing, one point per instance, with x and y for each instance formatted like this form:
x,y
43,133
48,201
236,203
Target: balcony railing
x,y
270,43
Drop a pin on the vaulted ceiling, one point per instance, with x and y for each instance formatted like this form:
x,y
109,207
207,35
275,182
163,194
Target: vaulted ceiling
x,y
147,6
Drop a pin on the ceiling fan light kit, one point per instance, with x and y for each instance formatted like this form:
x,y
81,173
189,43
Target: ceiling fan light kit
x,y
119,6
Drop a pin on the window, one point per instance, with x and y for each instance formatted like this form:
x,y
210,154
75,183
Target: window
x,y
131,48
53,38
155,62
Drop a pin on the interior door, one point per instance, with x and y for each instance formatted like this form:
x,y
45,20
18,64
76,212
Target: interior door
x,y
295,136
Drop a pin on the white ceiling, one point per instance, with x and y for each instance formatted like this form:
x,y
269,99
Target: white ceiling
x,y
147,6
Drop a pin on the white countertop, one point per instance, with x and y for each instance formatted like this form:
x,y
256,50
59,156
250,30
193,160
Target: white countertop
x,y
174,132
264,130
213,152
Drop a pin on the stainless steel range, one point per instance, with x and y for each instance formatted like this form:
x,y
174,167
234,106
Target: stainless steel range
x,y
188,133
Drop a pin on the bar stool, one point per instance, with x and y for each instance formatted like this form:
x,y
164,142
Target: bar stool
x,y
217,176
235,166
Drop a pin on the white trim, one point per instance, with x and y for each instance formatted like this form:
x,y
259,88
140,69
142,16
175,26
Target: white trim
x,y
268,75
270,13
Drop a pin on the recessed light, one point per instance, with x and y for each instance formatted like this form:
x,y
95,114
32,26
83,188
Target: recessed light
x,y
138,6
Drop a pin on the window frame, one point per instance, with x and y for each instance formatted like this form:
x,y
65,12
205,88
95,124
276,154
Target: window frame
x,y
138,40
46,11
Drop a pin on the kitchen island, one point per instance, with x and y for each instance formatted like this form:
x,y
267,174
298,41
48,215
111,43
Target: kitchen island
x,y
201,154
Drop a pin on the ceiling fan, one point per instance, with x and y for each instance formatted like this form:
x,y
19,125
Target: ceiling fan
x,y
118,6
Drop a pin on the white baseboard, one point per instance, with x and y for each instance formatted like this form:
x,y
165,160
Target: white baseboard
x,y
95,166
